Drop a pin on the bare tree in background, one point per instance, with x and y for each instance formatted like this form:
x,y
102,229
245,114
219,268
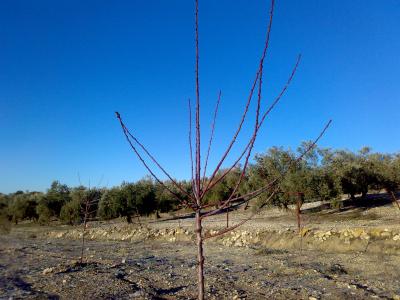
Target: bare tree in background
x,y
202,184
394,200
88,209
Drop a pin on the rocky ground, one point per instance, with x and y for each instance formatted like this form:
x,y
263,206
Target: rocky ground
x,y
352,254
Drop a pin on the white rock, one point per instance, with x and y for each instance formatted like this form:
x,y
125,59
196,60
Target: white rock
x,y
238,244
47,271
139,293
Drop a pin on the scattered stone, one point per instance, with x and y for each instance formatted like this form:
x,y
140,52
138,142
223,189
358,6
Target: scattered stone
x,y
386,234
358,232
138,293
338,269
47,271
120,274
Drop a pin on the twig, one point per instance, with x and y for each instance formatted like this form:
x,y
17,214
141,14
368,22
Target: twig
x,y
270,108
211,136
258,74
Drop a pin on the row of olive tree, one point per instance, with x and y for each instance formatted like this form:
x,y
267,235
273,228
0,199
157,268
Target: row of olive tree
x,y
143,197
66,204
323,174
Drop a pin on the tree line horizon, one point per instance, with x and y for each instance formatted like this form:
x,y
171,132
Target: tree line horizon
x,y
323,174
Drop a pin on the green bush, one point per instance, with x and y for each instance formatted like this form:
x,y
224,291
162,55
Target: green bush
x,y
140,198
44,213
112,204
71,213
22,207
5,224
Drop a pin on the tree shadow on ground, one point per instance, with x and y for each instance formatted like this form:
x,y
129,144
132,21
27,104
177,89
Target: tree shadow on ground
x,y
169,291
358,203
350,209
23,289
235,206
347,209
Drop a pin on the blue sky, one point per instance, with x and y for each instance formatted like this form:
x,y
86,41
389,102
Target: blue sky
x,y
66,66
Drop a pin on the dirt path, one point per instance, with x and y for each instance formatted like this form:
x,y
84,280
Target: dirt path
x,y
38,268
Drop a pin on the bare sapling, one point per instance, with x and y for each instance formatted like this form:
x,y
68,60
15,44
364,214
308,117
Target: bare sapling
x,y
202,183
394,200
227,215
299,204
88,209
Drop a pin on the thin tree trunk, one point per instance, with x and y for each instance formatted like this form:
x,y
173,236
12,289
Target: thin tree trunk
x,y
247,205
85,218
129,218
200,256
299,203
83,240
227,216
138,217
394,200
364,194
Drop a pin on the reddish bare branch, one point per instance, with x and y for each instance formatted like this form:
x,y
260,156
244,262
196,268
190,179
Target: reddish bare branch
x,y
256,128
127,135
270,108
198,141
211,136
197,189
259,71
234,137
190,142
253,139
282,91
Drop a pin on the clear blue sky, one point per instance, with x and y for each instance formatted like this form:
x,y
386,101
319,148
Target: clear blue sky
x,y
66,66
